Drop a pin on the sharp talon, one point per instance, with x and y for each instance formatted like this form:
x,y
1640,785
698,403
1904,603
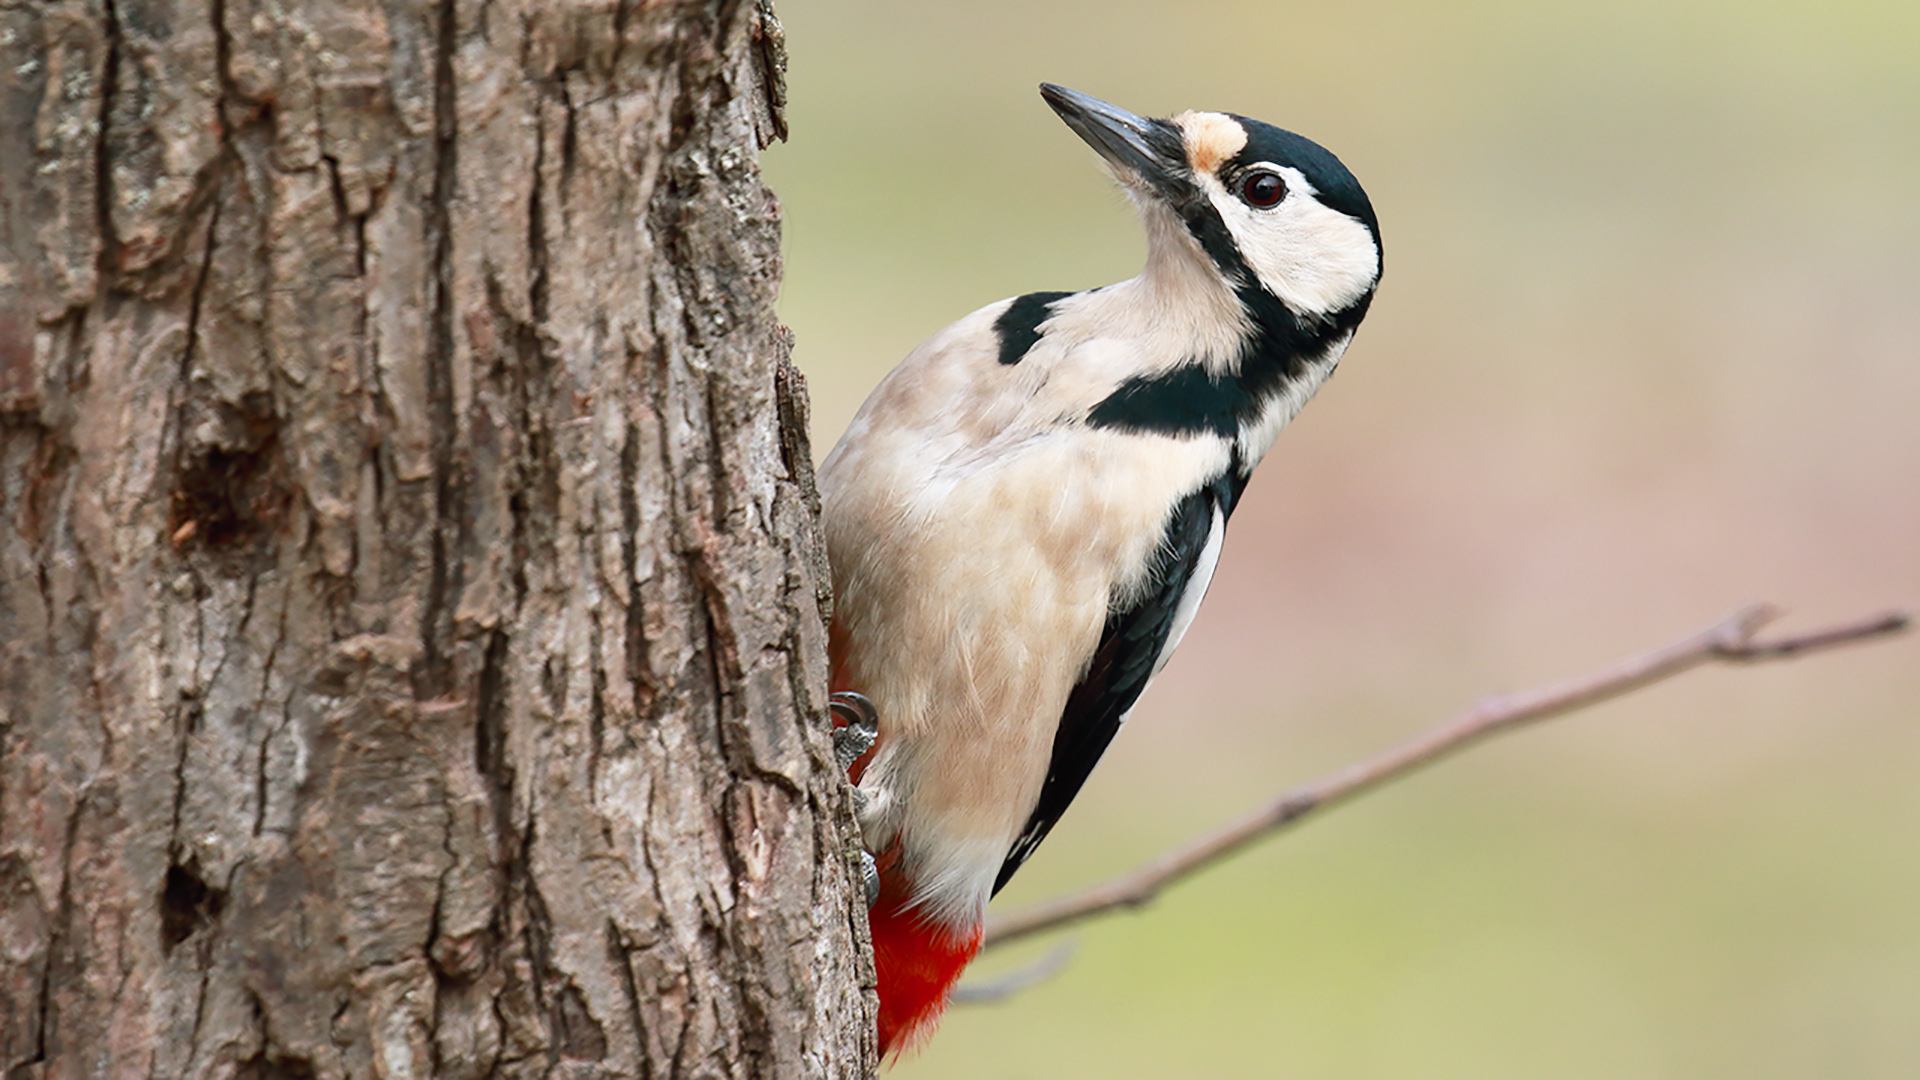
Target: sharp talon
x,y
855,708
859,726
857,729
870,872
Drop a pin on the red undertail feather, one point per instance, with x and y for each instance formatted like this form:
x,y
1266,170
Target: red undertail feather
x,y
917,962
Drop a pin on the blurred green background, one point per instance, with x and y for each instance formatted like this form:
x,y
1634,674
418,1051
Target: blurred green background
x,y
1648,348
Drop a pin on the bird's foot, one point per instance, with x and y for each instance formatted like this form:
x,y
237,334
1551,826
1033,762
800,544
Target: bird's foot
x,y
870,876
856,729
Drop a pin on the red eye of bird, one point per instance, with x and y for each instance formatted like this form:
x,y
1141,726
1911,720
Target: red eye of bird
x,y
1263,189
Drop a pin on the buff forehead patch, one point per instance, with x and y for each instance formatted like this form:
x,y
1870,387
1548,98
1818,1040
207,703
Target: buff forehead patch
x,y
1210,138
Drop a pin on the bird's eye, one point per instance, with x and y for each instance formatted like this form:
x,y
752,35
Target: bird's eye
x,y
1263,189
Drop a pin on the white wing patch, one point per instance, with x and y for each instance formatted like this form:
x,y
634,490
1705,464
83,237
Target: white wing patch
x,y
1197,583
1189,605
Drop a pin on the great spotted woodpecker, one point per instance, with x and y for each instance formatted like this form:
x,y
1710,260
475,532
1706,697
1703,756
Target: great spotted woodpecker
x,y
1023,517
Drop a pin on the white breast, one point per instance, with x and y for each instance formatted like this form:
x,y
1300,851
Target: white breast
x,y
975,540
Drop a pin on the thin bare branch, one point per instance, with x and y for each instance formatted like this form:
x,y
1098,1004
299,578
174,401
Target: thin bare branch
x,y
1731,640
1002,987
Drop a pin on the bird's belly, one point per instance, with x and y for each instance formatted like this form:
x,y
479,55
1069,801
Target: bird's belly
x,y
970,621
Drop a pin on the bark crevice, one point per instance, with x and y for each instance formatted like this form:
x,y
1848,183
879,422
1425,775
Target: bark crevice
x,y
103,155
436,674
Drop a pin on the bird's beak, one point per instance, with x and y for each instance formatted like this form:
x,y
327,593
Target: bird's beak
x,y
1148,149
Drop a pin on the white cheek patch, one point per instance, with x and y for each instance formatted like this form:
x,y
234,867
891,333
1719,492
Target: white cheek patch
x,y
1315,258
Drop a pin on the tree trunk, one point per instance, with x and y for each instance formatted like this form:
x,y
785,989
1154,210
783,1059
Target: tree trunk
x,y
411,657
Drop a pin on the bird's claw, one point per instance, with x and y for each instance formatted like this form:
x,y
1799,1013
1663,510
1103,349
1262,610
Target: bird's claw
x,y
870,876
859,728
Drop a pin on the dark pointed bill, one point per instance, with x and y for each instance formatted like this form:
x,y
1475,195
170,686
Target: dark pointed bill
x,y
1147,148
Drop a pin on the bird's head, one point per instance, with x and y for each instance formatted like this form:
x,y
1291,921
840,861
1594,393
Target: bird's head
x,y
1274,214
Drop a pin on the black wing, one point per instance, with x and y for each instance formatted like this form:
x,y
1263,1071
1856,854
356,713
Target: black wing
x,y
1130,648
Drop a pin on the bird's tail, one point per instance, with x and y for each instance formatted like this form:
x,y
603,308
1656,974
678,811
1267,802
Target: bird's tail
x,y
917,962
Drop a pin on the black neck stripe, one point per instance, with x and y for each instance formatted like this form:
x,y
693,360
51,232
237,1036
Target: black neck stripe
x,y
1189,400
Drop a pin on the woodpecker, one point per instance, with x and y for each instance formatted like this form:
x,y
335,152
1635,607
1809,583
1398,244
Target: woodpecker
x,y
1023,517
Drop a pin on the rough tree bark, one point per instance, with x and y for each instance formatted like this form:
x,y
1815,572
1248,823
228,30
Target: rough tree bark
x,y
411,659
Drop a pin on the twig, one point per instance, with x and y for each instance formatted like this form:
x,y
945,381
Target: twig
x,y
1731,640
999,988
